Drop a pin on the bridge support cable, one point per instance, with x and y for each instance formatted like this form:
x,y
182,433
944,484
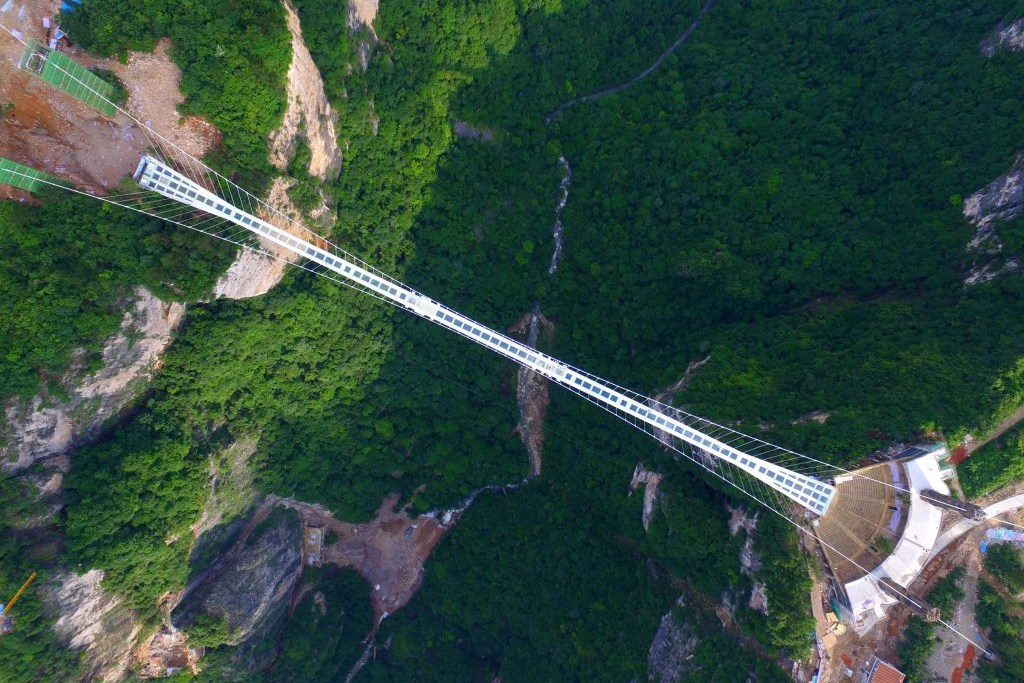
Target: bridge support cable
x,y
782,509
765,493
774,468
195,170
168,181
751,487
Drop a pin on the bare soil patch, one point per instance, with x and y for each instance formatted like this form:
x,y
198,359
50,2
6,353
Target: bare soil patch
x,y
167,651
53,132
388,551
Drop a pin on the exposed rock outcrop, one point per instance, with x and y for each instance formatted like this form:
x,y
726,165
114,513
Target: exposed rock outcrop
x,y
1002,200
1005,37
468,131
251,274
92,621
152,81
309,115
47,428
533,393
361,14
673,646
650,481
750,560
668,396
819,416
249,586
308,105
231,488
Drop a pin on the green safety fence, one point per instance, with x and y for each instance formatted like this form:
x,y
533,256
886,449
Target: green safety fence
x,y
60,70
24,177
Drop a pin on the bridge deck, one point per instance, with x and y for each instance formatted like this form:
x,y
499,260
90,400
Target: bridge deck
x,y
806,491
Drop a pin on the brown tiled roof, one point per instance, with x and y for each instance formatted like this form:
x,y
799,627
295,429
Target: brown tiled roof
x,y
886,673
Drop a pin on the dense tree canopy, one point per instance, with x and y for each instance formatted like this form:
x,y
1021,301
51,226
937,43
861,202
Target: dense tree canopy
x,y
68,268
783,194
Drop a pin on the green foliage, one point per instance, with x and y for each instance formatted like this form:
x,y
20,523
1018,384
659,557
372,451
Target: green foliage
x,y
131,502
233,55
764,197
324,637
1006,563
70,266
562,585
717,658
914,647
30,652
785,572
305,190
704,552
325,29
1002,615
209,631
994,465
817,257
947,593
120,95
883,544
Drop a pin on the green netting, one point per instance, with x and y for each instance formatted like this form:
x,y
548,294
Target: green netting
x,y
25,177
60,70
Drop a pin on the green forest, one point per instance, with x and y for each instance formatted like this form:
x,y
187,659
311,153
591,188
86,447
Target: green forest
x,y
999,610
783,194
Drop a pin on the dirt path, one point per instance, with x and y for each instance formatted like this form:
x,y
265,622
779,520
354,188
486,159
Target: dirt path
x,y
614,90
948,653
1007,424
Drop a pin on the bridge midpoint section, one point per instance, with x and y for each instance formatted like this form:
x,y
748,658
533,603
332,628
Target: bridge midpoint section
x,y
806,491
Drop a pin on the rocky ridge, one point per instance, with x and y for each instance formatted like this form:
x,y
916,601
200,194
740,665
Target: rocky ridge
x,y
46,429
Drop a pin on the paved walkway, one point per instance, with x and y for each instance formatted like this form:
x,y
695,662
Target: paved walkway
x,y
964,525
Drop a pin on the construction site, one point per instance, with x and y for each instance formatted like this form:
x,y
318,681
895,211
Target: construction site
x,y
890,536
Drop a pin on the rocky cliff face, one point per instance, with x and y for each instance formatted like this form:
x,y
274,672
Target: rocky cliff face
x,y
92,622
251,582
650,481
46,429
308,107
672,648
248,588
1000,201
251,274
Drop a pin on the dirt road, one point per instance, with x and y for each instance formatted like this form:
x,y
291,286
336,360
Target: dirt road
x,y
1008,423
948,654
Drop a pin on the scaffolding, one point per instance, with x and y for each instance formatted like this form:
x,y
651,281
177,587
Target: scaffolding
x,y
60,70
